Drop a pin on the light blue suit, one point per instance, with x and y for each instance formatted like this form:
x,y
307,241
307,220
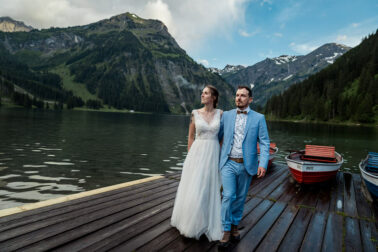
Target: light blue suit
x,y
236,177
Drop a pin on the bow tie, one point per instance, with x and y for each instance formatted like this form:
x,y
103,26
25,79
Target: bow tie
x,y
241,112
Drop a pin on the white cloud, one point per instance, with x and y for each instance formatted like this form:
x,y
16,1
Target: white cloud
x,y
277,34
290,12
341,38
248,34
190,22
203,62
350,35
303,48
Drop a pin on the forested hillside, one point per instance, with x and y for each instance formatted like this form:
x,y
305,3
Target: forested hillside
x,y
344,91
124,62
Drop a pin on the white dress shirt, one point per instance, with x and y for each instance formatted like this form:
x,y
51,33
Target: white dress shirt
x,y
240,122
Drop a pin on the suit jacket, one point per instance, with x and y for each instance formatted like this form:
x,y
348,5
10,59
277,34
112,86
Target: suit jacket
x,y
255,131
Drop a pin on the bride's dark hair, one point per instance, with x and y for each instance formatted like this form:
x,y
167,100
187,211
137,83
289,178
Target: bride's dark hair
x,y
214,93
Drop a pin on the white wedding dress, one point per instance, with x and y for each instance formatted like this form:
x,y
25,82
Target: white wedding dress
x,y
197,208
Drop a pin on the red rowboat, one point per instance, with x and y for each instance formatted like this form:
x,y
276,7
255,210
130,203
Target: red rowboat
x,y
272,153
314,164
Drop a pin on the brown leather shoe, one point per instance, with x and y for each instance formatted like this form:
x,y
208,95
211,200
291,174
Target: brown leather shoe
x,y
225,240
235,235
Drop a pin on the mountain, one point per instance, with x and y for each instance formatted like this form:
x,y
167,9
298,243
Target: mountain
x,y
347,90
274,75
227,70
7,24
125,62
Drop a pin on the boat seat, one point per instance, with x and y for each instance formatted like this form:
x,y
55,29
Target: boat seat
x,y
372,162
318,153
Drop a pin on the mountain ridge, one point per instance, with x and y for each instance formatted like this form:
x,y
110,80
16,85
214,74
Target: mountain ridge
x,y
126,61
274,75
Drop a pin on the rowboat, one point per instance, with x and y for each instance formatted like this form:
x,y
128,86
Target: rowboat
x,y
369,172
272,153
314,164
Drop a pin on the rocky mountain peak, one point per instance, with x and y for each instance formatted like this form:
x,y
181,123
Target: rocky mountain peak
x,y
8,24
274,75
283,59
227,70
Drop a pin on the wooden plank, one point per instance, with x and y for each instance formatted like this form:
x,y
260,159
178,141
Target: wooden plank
x,y
273,239
306,196
266,181
293,238
86,220
137,241
201,246
314,234
204,245
192,245
97,234
363,207
290,191
311,198
74,201
78,205
352,235
369,236
252,217
253,237
324,196
159,242
350,207
273,185
337,198
73,214
279,191
125,232
180,244
333,236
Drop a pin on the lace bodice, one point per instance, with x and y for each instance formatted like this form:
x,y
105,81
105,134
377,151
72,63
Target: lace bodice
x,y
205,130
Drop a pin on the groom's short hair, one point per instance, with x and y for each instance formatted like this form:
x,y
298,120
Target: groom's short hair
x,y
248,88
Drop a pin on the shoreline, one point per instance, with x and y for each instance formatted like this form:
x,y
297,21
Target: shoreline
x,y
348,123
6,104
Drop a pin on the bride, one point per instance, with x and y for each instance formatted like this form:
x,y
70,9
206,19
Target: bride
x,y
197,208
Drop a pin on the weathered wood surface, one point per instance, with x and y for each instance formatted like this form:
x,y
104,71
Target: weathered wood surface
x,y
279,215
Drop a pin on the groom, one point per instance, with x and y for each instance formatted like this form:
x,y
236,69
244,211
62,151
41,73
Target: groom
x,y
240,130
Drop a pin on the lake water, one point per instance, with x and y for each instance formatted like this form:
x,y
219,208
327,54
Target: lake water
x,y
48,154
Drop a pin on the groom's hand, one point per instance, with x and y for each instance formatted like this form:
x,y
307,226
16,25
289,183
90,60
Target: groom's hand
x,y
261,172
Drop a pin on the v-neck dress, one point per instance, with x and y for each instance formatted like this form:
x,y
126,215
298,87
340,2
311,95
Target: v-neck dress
x,y
197,208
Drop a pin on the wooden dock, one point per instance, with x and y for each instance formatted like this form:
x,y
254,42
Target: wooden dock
x,y
279,215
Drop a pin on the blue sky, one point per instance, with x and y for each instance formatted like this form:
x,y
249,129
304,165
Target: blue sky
x,y
220,32
273,28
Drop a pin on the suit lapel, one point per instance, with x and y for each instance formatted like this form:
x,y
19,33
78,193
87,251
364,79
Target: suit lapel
x,y
249,118
233,117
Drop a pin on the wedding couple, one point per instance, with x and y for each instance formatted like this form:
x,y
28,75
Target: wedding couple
x,y
222,149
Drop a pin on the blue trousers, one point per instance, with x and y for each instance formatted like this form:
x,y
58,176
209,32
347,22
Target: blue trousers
x,y
236,181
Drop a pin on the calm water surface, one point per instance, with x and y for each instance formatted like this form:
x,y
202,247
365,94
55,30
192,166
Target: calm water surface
x,y
47,154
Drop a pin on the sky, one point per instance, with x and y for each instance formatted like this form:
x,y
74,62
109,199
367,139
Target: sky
x,y
220,32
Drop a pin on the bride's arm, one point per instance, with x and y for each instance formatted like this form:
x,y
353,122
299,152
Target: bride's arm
x,y
192,131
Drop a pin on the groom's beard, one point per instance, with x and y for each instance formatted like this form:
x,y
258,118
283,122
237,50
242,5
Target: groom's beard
x,y
241,106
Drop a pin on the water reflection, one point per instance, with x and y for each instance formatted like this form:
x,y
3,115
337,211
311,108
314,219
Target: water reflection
x,y
47,154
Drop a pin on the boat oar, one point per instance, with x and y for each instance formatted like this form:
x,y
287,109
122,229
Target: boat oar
x,y
298,151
